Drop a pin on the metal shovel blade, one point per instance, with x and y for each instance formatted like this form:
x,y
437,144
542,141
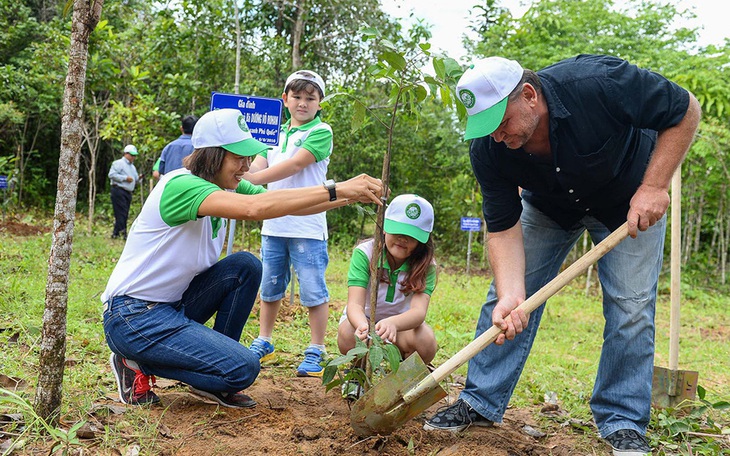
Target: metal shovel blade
x,y
381,410
671,387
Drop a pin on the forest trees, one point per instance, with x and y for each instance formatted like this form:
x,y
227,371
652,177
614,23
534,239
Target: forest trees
x,y
149,64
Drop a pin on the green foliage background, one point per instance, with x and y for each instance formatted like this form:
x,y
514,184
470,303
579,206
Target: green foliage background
x,y
151,63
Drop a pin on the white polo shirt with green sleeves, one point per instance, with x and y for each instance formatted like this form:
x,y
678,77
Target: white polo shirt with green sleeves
x,y
391,300
316,137
169,243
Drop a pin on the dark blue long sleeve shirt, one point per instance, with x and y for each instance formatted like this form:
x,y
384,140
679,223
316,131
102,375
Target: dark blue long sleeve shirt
x,y
604,116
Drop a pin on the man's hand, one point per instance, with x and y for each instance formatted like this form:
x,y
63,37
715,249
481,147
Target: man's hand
x,y
510,320
648,206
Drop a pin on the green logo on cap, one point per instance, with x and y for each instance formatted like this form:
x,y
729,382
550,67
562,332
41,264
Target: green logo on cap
x,y
413,211
467,97
242,123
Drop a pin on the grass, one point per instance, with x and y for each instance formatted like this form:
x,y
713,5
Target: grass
x,y
563,362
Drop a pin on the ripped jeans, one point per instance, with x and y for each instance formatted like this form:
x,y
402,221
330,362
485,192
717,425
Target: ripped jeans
x,y
629,273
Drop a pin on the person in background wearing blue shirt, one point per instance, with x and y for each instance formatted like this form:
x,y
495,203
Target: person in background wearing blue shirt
x,y
593,142
173,153
123,176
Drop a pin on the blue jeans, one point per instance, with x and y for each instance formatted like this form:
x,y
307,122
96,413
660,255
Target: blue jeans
x,y
309,258
169,339
628,274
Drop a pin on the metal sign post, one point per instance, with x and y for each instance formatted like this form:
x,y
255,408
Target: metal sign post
x,y
470,224
263,117
4,186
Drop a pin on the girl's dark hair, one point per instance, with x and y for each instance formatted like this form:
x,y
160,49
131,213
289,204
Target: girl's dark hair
x,y
205,162
419,263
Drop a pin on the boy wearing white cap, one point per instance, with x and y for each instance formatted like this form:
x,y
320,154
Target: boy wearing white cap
x,y
404,291
169,280
592,142
300,160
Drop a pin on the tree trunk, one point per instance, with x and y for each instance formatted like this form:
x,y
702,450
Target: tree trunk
x,y
723,229
47,404
296,36
689,194
698,224
90,131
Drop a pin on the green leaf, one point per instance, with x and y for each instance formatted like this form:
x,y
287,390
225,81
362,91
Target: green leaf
x,y
369,32
329,373
701,392
388,45
358,349
358,117
395,60
392,354
439,68
376,356
421,93
341,359
333,384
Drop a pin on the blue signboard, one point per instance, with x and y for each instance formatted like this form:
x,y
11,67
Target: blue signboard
x,y
471,224
3,181
263,115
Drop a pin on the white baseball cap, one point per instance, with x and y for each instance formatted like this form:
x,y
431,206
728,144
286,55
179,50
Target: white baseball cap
x,y
226,128
411,215
306,75
130,149
483,90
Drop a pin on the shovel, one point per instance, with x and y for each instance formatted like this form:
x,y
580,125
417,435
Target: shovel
x,y
671,386
403,394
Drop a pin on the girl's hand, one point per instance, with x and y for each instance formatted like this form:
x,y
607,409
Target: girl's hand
x,y
361,332
386,330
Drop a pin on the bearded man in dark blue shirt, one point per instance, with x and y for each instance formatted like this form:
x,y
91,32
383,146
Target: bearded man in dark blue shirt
x,y
585,144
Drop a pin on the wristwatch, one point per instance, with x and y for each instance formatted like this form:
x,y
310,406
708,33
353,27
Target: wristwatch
x,y
329,184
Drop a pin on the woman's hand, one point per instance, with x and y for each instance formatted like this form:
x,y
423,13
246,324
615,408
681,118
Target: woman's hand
x,y
362,188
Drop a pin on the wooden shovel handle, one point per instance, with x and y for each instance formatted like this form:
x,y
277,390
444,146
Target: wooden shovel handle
x,y
530,304
675,269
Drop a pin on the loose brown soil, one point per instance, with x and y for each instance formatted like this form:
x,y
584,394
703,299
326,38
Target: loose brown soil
x,y
17,228
296,416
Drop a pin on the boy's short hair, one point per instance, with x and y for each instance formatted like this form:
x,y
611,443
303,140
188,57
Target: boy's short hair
x,y
188,123
302,79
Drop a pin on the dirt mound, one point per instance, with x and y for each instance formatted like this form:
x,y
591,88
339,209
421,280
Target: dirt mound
x,y
297,416
16,228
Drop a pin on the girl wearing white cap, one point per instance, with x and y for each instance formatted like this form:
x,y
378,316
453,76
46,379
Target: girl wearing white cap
x,y
404,290
169,280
